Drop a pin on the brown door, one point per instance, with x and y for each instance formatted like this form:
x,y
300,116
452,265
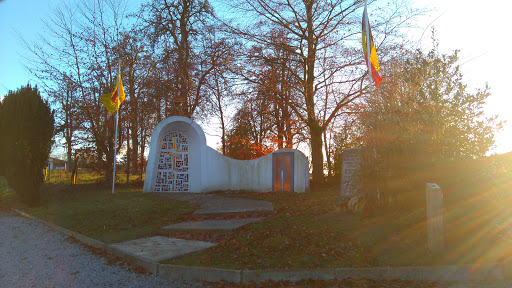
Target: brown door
x,y
282,172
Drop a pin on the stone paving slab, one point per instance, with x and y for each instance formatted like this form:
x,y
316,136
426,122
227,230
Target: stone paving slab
x,y
225,225
218,205
221,205
159,248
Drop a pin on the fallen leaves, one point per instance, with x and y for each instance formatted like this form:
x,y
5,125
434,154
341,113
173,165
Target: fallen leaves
x,y
294,236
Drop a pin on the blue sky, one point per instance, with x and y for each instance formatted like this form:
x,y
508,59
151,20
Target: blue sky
x,y
481,32
23,17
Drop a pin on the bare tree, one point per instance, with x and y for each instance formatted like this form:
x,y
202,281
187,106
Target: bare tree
x,y
220,84
178,28
265,68
313,28
80,51
44,61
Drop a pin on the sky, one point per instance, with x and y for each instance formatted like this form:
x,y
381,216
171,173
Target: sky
x,y
479,29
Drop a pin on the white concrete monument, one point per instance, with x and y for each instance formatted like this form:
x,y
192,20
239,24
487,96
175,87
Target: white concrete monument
x,y
180,161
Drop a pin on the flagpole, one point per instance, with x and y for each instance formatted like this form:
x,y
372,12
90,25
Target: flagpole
x,y
368,41
369,57
369,63
117,121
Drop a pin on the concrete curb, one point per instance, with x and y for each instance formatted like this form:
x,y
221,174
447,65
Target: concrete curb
x,y
487,271
293,275
189,273
425,273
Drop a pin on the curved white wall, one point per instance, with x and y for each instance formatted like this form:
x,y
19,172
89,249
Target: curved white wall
x,y
223,173
211,171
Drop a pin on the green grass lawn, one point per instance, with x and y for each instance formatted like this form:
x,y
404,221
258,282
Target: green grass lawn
x,y
305,231
92,210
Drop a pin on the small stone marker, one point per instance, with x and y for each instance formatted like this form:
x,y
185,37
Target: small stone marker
x,y
435,227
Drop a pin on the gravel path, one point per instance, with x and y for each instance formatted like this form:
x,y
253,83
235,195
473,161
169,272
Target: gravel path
x,y
34,255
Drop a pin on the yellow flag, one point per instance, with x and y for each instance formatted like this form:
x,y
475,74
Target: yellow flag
x,y
113,100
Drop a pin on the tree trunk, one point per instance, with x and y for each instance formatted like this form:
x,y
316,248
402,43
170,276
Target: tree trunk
x,y
280,135
69,152
221,112
142,150
317,158
279,124
180,105
74,172
109,150
135,150
327,155
159,110
134,122
128,154
309,91
223,127
289,133
109,157
68,130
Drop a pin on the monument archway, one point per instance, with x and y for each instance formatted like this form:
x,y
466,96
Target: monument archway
x,y
175,166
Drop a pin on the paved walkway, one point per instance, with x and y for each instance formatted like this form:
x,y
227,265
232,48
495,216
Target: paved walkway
x,y
158,249
218,205
214,226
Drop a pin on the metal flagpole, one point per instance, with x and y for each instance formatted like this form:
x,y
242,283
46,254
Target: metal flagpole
x,y
368,39
368,53
369,62
117,114
117,121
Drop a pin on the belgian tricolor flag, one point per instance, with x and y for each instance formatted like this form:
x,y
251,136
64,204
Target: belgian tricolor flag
x,y
373,52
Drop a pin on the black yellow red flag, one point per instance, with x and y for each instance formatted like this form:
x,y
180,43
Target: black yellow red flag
x,y
374,61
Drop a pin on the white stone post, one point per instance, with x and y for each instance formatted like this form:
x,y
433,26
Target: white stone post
x,y
435,228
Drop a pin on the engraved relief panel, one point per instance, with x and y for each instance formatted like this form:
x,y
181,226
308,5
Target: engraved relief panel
x,y
172,172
